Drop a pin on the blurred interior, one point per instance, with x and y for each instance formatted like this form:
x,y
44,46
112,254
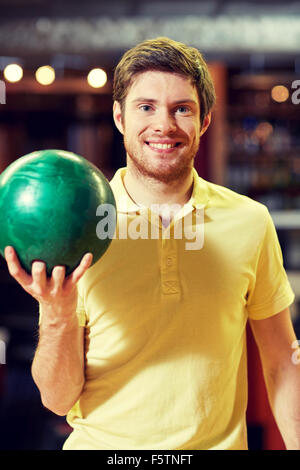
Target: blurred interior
x,y
252,145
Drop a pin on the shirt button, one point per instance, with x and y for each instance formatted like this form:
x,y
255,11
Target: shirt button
x,y
170,287
169,261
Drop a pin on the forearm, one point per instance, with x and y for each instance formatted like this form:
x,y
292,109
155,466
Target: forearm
x,y
58,365
284,395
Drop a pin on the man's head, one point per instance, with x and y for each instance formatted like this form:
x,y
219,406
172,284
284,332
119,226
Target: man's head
x,y
163,95
164,54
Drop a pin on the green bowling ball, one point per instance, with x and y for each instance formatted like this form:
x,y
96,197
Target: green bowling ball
x,y
55,206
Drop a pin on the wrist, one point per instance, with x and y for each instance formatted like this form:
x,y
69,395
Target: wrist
x,y
57,316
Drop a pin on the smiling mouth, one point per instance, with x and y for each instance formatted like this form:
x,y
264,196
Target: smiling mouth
x,y
162,146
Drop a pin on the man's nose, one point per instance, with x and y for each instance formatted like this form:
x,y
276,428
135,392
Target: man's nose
x,y
164,122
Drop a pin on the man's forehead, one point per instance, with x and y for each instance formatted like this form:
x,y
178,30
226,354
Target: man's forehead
x,y
165,79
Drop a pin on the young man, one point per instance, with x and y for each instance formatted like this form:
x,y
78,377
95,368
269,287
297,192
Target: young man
x,y
147,348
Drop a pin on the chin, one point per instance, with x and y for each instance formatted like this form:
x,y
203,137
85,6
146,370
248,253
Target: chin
x,y
163,171
169,175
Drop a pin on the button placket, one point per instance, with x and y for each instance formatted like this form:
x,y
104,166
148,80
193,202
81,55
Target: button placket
x,y
169,272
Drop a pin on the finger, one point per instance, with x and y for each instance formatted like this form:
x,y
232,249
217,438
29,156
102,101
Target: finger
x,y
58,277
81,269
14,267
39,276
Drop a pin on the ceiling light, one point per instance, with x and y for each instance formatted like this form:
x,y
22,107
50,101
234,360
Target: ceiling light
x,y
97,78
279,93
13,73
45,75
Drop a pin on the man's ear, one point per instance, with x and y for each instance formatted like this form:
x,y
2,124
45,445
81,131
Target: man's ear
x,y
117,114
206,123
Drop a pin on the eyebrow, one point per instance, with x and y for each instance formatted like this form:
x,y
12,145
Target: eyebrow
x,y
151,100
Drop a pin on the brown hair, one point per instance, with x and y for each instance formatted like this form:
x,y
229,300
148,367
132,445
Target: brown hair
x,y
165,55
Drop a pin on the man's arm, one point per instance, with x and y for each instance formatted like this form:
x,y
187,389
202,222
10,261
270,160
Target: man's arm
x,y
274,337
58,365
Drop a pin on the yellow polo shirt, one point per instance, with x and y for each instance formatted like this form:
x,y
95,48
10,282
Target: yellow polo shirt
x,y
165,323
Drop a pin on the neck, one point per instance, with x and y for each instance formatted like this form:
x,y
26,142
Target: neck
x,y
147,191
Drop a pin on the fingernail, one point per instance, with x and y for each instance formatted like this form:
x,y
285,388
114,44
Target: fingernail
x,y
39,265
8,250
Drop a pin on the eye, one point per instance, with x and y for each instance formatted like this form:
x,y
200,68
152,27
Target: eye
x,y
145,107
182,109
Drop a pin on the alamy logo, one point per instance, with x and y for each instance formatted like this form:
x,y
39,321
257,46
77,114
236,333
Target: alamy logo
x,y
2,92
296,353
2,352
188,227
296,94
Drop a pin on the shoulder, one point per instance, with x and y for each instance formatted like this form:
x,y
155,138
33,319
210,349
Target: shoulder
x,y
225,198
238,210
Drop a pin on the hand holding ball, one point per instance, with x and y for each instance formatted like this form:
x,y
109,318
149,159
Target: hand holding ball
x,y
50,206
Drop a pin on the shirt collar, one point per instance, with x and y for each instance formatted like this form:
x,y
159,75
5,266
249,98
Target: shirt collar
x,y
123,200
199,197
125,204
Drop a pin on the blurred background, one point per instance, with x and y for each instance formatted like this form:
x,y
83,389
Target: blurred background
x,y
50,98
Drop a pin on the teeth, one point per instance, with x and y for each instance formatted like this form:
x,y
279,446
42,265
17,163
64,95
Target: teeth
x,y
161,146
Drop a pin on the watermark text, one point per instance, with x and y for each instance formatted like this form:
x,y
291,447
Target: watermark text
x,y
2,92
296,354
2,352
159,221
296,93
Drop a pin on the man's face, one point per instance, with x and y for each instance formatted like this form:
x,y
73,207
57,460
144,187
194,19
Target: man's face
x,y
161,125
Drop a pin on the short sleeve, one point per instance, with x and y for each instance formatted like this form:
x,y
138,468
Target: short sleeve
x,y
270,292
